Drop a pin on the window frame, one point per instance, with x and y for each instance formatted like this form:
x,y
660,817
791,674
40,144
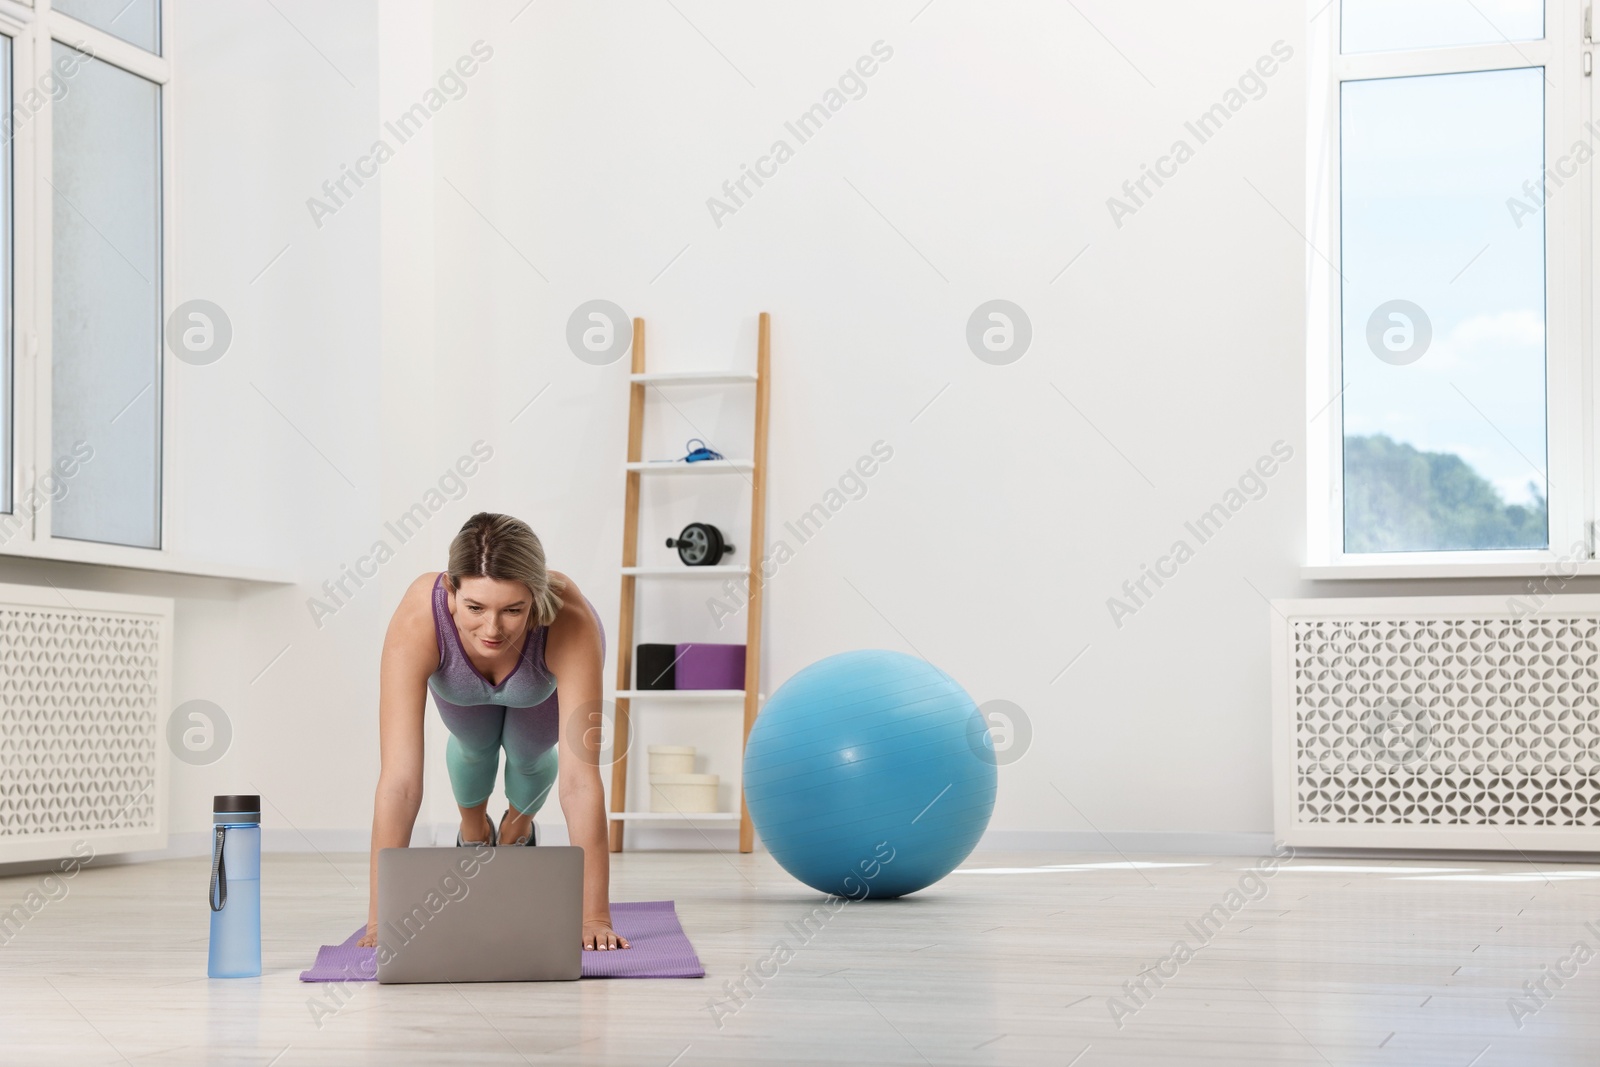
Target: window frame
x,y
32,27
1570,299
32,31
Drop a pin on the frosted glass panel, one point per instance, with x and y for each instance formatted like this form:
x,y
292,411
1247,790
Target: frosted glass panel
x,y
136,21
106,307
1387,25
1444,313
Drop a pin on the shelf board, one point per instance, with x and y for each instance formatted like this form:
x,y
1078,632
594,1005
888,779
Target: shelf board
x,y
694,377
673,816
684,571
679,695
704,466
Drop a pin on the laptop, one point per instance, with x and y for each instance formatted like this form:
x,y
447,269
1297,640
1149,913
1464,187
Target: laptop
x,y
480,914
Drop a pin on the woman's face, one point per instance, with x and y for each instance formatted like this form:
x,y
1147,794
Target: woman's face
x,y
492,614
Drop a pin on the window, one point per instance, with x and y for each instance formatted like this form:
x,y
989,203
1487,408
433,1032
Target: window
x,y
105,314
1449,195
136,21
1391,25
85,280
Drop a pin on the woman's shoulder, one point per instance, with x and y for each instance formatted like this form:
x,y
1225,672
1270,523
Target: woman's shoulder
x,y
571,597
412,627
574,614
416,605
563,585
421,589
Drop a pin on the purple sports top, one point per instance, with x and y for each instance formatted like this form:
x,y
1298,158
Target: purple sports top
x,y
458,682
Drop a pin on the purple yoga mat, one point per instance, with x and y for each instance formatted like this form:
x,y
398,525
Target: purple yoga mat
x,y
658,949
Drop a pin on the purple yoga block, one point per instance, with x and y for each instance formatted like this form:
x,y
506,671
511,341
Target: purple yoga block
x,y
710,666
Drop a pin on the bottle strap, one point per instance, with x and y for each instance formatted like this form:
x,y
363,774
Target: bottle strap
x,y
218,895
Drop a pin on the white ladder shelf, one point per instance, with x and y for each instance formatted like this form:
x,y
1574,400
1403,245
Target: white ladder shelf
x,y
756,468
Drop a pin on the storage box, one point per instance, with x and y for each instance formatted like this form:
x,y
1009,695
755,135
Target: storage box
x,y
702,665
671,759
671,793
654,667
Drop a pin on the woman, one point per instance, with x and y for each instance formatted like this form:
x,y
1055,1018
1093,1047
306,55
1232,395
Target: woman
x,y
489,637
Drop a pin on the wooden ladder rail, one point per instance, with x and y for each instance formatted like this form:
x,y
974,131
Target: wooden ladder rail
x,y
758,541
630,558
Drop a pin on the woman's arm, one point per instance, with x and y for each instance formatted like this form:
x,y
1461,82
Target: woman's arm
x,y
410,654
572,653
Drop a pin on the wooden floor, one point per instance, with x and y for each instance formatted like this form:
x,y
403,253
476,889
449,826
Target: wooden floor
x,y
1339,963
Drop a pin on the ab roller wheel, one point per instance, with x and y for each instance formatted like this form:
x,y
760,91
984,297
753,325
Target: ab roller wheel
x,y
700,545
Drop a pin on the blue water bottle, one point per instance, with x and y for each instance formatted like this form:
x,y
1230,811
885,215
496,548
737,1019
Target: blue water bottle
x,y
235,887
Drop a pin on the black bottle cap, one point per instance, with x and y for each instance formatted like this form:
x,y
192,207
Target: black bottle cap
x,y
237,802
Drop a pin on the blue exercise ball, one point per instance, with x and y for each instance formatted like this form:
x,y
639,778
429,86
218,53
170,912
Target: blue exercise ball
x,y
870,774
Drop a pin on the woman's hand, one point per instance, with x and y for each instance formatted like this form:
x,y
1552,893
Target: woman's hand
x,y
597,934
370,938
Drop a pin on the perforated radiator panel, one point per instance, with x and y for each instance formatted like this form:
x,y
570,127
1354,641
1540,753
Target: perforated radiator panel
x,y
1404,722
82,699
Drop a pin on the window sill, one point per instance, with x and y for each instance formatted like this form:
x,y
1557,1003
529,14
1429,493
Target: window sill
x,y
1368,572
120,557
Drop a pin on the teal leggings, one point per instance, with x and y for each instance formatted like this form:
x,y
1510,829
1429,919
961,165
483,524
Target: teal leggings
x,y
473,754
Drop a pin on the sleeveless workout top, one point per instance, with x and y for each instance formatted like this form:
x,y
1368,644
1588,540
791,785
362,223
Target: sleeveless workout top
x,y
458,682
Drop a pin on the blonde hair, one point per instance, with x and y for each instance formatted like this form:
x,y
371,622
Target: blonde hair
x,y
506,549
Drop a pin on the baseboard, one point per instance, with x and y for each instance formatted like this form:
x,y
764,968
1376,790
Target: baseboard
x,y
1142,842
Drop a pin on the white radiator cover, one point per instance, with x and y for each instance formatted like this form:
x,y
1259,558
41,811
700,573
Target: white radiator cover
x,y
1437,722
85,684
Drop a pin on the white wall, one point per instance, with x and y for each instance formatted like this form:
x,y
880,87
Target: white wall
x,y
977,165
274,442
428,310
